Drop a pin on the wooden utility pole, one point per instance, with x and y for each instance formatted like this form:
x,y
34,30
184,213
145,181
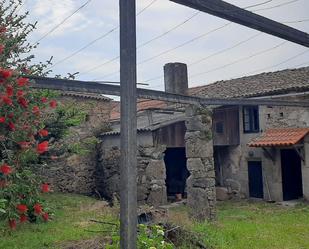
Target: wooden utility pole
x,y
244,17
128,188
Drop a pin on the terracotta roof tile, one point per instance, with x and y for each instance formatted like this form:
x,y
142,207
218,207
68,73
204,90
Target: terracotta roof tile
x,y
279,137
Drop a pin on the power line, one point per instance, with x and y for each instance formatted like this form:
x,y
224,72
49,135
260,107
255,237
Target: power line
x,y
283,62
63,21
240,60
162,35
276,6
97,39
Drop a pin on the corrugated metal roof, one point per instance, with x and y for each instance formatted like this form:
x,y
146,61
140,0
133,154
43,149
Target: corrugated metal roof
x,y
280,137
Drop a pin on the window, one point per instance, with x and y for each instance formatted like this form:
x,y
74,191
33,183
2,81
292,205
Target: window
x,y
251,119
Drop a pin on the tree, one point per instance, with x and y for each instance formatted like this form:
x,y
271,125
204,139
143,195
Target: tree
x,y
23,137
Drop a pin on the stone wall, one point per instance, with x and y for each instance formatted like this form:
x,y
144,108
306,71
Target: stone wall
x,y
75,172
151,187
199,151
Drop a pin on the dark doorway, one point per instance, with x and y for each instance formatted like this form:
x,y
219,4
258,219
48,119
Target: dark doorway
x,y
176,171
291,175
255,179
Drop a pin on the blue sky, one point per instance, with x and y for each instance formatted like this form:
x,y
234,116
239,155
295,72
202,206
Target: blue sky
x,y
101,16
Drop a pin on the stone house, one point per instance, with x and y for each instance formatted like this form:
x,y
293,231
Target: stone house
x,y
175,142
262,151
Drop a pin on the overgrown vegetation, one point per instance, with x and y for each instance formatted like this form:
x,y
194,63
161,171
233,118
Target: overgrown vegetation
x,y
243,225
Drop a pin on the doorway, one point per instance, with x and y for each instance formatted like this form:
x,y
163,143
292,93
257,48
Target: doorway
x,y
176,171
292,186
255,175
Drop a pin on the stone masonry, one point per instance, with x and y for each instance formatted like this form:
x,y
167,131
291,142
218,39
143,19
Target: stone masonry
x,y
199,150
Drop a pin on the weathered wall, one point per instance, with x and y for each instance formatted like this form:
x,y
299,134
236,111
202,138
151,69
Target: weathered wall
x,y
73,172
234,159
151,187
199,151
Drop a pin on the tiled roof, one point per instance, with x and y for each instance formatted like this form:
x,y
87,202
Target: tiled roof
x,y
280,82
85,95
280,137
142,104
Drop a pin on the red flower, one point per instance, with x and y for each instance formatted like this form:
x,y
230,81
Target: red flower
x,y
22,81
6,73
1,48
11,126
43,133
7,100
42,147
11,115
53,104
23,218
23,102
37,208
44,100
12,224
36,110
9,91
2,119
45,216
20,93
5,169
22,208
45,188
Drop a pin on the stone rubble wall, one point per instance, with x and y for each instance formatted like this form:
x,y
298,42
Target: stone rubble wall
x,y
151,187
199,151
75,173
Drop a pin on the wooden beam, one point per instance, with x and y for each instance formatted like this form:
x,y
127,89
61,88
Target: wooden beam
x,y
244,17
100,88
128,144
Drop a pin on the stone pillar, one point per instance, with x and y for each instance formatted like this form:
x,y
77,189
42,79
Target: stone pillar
x,y
199,151
305,169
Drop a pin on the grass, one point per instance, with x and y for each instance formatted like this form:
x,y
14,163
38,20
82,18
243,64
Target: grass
x,y
244,225
71,222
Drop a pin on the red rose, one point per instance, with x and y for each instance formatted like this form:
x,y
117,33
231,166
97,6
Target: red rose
x,y
22,208
20,93
5,169
43,133
11,115
23,218
42,147
6,73
2,119
45,188
45,216
36,110
12,224
53,104
23,102
7,100
37,208
9,91
22,81
11,126
44,100
1,48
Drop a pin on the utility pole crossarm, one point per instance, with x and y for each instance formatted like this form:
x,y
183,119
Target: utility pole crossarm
x,y
246,18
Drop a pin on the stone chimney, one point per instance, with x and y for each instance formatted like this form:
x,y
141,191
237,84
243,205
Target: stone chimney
x,y
176,78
